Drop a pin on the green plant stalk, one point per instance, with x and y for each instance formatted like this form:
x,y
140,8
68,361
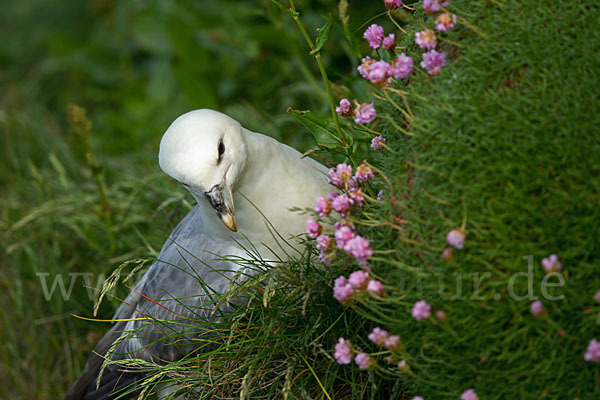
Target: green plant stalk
x,y
336,121
83,126
106,211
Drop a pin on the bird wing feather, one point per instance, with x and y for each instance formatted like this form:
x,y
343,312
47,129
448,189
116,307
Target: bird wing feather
x,y
179,291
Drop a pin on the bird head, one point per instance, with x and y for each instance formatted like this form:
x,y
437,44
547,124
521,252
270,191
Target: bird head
x,y
204,150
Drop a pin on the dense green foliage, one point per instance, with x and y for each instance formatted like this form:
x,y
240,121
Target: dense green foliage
x,y
505,141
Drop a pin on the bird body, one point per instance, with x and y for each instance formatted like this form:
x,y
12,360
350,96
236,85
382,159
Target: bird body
x,y
245,184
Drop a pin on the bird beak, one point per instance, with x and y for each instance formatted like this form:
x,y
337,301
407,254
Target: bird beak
x,y
221,199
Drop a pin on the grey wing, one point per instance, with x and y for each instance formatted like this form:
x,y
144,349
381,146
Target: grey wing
x,y
181,284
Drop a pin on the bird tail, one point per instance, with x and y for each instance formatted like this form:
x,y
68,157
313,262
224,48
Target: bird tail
x,y
114,383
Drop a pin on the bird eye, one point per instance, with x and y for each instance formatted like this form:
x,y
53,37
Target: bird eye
x,y
221,149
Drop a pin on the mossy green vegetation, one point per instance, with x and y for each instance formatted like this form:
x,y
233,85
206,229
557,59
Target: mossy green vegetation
x,y
507,142
504,142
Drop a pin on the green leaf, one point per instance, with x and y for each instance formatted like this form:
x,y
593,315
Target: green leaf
x,y
323,36
322,129
283,8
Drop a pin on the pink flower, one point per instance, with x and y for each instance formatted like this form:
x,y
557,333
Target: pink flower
x,y
378,73
356,195
389,42
324,242
433,6
331,196
417,398
375,287
326,256
426,39
445,21
392,343
359,248
421,310
342,204
343,234
374,34
456,238
313,228
380,195
352,183
322,207
378,336
345,108
343,351
593,352
536,308
433,62
364,172
363,68
401,66
359,279
342,290
378,142
363,361
364,113
597,296
392,4
551,264
339,175
469,395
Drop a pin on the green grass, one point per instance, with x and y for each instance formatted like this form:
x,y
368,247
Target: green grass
x,y
505,140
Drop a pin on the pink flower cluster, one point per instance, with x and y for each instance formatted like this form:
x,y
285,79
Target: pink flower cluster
x,y
363,113
433,61
426,39
344,351
536,308
469,394
421,310
339,176
344,238
374,35
345,289
593,352
433,6
456,238
445,21
551,264
380,72
392,4
384,339
378,142
313,228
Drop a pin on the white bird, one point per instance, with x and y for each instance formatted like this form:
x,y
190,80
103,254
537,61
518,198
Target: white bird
x,y
245,184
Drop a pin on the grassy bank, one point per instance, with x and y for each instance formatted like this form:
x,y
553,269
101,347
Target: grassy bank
x,y
503,143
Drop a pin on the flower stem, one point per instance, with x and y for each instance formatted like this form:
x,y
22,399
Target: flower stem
x,y
331,100
336,120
